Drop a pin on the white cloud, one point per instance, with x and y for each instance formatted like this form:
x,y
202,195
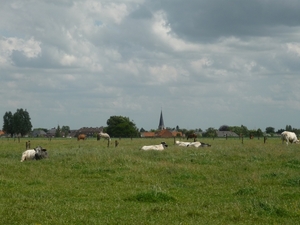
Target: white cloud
x,y
29,48
163,30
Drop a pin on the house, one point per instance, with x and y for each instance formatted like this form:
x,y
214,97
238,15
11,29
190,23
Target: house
x,y
147,134
177,134
38,133
161,134
226,134
89,131
164,134
51,132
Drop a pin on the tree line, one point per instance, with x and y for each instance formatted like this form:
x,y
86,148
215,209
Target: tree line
x,y
20,123
17,123
120,126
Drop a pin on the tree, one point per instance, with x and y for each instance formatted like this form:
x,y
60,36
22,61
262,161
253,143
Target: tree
x,y
65,130
58,131
240,130
270,130
210,132
8,123
21,122
259,132
120,126
224,128
288,128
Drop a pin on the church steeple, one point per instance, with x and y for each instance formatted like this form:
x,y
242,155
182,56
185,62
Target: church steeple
x,y
161,125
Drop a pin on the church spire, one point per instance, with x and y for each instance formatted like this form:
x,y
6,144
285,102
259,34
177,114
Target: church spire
x,y
161,125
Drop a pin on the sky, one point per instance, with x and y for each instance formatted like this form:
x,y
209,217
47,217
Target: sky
x,y
203,63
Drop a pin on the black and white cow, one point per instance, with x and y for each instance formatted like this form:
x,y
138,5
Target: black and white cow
x,y
34,154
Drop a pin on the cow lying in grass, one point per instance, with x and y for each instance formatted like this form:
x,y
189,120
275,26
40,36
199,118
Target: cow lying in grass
x,y
196,144
160,147
34,154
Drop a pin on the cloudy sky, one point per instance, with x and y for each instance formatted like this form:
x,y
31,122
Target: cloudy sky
x,y
204,63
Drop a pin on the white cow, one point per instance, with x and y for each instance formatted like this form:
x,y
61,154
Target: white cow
x,y
288,136
160,147
182,143
34,154
196,144
104,135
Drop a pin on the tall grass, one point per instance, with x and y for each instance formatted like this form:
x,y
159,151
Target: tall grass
x,y
87,182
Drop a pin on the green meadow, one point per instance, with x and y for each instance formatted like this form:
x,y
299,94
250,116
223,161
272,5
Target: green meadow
x,y
87,182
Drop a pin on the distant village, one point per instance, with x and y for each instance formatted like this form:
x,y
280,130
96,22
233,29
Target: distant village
x,y
91,132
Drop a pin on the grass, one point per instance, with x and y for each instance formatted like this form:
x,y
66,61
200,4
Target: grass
x,y
87,182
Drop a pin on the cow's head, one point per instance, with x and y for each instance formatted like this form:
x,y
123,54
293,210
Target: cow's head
x,y
164,144
40,153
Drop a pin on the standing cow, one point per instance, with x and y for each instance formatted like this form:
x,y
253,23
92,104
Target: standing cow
x,y
81,137
288,136
104,135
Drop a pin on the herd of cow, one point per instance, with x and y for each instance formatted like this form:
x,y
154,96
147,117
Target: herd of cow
x,y
40,153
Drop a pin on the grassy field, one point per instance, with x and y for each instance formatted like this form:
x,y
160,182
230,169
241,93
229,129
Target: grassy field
x,y
88,183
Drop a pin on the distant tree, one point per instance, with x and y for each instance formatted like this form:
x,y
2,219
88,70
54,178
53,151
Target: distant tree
x,y
65,130
270,130
120,126
288,128
177,127
259,132
142,130
21,122
240,130
189,132
224,128
8,123
58,131
210,132
280,131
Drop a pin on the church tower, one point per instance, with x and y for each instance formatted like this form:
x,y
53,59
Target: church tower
x,y
161,125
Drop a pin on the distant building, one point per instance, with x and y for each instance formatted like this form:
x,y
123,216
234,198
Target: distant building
x,y
89,131
147,134
38,133
161,125
226,133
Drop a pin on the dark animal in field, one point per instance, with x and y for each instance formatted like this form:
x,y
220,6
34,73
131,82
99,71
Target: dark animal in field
x,y
194,136
34,154
81,137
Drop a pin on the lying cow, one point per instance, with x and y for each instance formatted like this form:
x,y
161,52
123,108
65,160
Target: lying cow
x,y
288,136
160,147
34,154
182,143
196,144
